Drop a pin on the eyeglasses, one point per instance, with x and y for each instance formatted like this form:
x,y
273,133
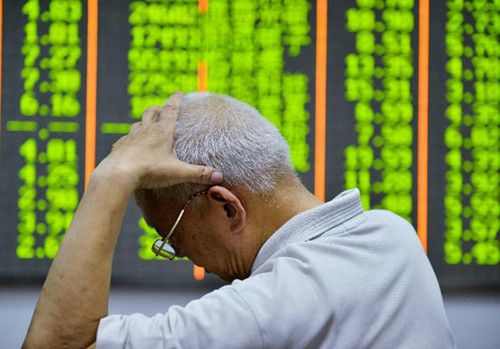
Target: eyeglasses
x,y
161,247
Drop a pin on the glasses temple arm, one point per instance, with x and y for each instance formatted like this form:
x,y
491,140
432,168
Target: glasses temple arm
x,y
165,239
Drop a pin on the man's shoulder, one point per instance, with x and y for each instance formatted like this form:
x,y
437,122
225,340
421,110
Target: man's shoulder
x,y
383,214
387,220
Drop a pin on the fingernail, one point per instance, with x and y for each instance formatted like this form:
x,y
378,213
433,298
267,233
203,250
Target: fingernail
x,y
216,177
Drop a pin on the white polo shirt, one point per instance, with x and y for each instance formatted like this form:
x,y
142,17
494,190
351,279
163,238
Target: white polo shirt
x,y
331,277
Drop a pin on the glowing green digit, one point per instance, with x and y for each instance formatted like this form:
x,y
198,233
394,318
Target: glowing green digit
x,y
28,174
55,150
365,42
25,245
454,229
27,222
29,150
51,245
452,252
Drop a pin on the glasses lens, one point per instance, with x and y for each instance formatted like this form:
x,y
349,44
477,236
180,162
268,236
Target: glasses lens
x,y
165,251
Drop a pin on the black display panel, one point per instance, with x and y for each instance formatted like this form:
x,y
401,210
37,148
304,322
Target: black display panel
x,y
464,142
263,53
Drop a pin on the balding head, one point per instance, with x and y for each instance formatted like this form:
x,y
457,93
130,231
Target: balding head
x,y
229,135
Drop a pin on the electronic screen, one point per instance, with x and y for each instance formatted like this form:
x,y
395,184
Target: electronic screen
x,y
395,97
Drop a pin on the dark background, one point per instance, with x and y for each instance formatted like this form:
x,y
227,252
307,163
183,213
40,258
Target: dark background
x,y
113,106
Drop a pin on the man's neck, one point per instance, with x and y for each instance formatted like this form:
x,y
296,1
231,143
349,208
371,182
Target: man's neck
x,y
266,215
291,199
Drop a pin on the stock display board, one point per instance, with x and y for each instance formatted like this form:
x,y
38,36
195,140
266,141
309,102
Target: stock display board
x,y
347,86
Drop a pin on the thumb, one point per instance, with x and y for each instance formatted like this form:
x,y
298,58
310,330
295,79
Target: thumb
x,y
199,174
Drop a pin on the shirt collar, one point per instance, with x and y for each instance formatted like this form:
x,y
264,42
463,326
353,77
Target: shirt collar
x,y
311,223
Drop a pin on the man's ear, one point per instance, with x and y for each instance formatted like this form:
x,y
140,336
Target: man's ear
x,y
235,213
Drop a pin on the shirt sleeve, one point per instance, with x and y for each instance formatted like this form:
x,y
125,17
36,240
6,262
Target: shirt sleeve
x,y
220,319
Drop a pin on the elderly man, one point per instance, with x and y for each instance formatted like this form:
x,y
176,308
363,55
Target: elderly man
x,y
303,274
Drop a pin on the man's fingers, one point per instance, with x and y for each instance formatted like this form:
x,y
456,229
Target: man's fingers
x,y
135,126
170,111
199,174
150,115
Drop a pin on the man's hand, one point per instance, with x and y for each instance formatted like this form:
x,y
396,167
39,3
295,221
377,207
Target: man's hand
x,y
146,156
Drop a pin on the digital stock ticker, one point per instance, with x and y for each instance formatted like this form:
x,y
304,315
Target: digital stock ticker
x,y
399,98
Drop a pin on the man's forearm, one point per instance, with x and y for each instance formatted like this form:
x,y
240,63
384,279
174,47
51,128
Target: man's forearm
x,y
75,294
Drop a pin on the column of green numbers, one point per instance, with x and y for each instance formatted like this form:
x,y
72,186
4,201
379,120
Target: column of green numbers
x,y
28,106
61,194
26,201
242,83
164,51
216,34
472,136
378,82
52,83
281,96
245,51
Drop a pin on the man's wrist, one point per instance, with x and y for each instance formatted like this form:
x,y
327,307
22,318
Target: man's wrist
x,y
109,174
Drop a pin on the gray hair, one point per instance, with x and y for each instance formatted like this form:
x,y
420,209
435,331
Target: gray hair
x,y
223,133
